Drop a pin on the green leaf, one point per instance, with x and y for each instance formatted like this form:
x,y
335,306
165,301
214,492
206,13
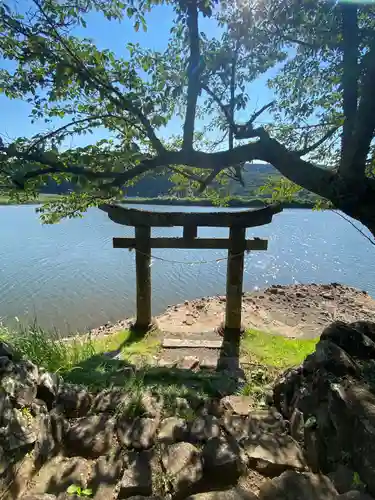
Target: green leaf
x,y
136,26
73,489
87,492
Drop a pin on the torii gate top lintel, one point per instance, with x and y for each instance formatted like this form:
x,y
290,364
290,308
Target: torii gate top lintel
x,y
138,217
236,245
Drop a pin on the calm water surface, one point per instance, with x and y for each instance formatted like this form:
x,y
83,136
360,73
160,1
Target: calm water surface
x,y
68,275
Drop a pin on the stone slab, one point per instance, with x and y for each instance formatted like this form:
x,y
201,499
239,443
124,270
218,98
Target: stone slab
x,y
172,343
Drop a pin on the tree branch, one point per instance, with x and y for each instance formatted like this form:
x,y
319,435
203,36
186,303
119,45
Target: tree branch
x,y
55,132
122,101
247,131
222,106
194,72
319,142
210,177
303,173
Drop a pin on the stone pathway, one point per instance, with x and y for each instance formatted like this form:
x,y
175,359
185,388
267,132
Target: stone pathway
x,y
192,353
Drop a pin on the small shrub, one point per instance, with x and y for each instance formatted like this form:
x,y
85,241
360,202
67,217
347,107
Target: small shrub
x,y
78,491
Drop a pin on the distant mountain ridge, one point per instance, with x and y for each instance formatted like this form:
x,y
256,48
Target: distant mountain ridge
x,y
154,185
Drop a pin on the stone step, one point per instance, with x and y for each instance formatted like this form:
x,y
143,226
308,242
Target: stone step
x,y
205,358
174,343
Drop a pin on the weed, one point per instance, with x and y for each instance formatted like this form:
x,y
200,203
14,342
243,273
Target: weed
x,y
78,491
356,480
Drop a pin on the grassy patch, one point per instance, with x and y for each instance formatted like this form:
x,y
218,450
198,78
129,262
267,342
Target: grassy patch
x,y
95,362
275,350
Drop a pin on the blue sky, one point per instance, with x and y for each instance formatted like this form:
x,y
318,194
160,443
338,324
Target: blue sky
x,y
114,36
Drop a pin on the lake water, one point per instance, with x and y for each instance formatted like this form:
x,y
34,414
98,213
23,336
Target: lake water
x,y
68,275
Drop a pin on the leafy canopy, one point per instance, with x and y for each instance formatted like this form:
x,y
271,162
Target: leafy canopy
x,y
322,59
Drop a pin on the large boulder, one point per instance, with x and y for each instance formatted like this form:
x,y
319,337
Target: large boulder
x,y
139,434
21,384
48,388
298,486
223,461
239,405
271,454
137,478
204,428
352,410
350,338
333,359
74,401
105,473
286,389
172,430
231,494
59,473
91,436
183,464
6,350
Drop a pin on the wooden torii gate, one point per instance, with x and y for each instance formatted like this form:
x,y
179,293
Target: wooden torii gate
x,y
236,245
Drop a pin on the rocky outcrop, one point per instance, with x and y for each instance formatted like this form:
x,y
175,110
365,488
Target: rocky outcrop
x,y
330,403
315,441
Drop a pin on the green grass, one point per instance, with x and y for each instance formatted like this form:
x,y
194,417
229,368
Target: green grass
x,y
81,359
109,361
275,350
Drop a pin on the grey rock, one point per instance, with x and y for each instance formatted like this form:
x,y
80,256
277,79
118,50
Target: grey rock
x,y
21,431
188,363
204,428
21,383
108,401
42,496
240,405
48,388
342,478
268,420
355,495
183,463
291,485
105,474
297,425
334,359
350,338
172,430
60,426
6,365
45,445
271,454
222,459
312,451
285,390
74,401
91,436
6,409
352,410
231,494
6,350
59,473
137,478
139,434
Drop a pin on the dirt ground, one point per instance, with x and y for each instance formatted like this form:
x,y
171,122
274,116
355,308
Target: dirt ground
x,y
300,311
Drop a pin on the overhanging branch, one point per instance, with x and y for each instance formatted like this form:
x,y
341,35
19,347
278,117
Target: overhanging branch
x,y
120,101
315,145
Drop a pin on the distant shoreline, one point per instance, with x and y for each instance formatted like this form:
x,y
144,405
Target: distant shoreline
x,y
202,202
188,202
